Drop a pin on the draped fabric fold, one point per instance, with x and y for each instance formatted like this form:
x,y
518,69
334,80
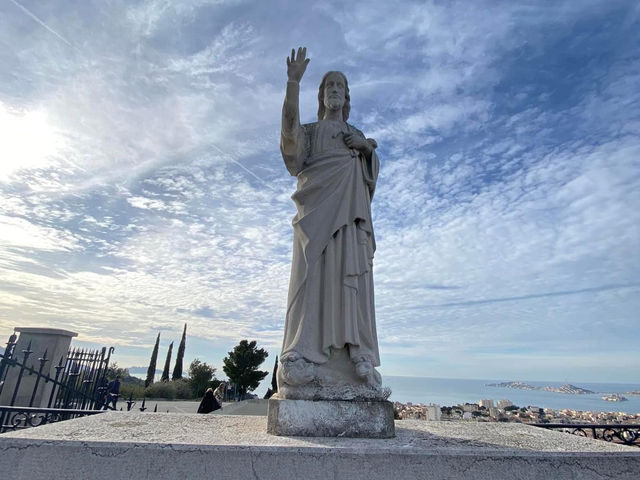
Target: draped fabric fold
x,y
331,302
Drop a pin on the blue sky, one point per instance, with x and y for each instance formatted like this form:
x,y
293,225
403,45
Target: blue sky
x,y
142,187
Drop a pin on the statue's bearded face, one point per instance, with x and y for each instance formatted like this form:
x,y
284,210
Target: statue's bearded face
x,y
334,92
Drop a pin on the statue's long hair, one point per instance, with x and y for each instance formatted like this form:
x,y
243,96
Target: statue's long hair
x,y
347,98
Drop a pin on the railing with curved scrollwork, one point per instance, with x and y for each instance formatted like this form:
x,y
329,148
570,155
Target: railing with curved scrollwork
x,y
32,392
627,433
16,418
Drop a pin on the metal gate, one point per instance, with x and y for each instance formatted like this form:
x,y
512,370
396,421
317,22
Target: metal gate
x,y
78,387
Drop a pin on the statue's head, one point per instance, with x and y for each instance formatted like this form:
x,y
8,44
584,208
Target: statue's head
x,y
333,94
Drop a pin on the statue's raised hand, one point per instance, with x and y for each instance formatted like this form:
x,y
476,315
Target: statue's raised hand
x,y
296,65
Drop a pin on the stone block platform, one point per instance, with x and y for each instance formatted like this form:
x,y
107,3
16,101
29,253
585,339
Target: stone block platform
x,y
330,418
118,445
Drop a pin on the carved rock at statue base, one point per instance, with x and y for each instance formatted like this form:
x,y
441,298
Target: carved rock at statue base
x,y
337,379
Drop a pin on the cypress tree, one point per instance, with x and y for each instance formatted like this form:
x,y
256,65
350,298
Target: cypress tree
x,y
177,370
167,363
151,371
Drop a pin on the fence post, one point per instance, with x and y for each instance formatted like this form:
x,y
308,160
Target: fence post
x,y
26,353
6,361
42,361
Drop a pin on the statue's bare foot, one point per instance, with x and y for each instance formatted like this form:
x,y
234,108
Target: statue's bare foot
x,y
365,369
295,370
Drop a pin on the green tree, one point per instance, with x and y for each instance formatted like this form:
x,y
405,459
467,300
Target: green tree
x,y
114,371
177,370
241,366
151,371
167,364
201,376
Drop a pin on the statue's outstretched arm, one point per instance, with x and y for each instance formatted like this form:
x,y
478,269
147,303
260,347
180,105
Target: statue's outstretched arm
x,y
292,138
296,66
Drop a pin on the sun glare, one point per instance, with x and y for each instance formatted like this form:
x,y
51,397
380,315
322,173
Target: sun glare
x,y
27,140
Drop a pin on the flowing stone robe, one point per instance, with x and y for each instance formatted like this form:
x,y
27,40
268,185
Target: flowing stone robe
x,y
330,303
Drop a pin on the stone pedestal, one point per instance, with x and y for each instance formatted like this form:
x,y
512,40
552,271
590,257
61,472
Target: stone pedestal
x,y
52,340
330,418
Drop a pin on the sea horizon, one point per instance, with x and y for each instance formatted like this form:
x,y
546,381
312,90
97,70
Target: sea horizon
x,y
453,391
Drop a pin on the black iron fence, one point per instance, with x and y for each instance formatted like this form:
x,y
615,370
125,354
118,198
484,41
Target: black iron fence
x,y
15,418
76,386
627,433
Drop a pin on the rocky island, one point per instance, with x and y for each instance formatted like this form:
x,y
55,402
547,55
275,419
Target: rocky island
x,y
567,388
614,397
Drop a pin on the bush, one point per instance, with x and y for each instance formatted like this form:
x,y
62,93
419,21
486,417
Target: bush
x,y
178,389
128,389
161,390
183,389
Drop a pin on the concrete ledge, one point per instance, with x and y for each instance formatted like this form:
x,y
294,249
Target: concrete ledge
x,y
158,446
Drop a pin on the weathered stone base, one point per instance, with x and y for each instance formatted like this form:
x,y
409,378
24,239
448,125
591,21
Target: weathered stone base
x,y
166,446
330,418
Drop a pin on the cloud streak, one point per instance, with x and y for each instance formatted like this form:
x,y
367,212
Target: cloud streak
x,y
41,23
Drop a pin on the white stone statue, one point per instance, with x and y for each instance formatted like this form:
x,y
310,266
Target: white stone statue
x,y
330,347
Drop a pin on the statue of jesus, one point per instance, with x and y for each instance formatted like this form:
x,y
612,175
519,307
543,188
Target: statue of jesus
x,y
330,347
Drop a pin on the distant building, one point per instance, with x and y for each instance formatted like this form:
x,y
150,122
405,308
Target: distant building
x,y
470,407
488,403
433,412
504,403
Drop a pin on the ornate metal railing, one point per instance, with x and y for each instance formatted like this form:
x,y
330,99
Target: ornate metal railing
x,y
79,382
77,386
627,433
16,418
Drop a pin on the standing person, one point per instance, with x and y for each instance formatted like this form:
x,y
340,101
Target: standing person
x,y
330,332
209,402
113,392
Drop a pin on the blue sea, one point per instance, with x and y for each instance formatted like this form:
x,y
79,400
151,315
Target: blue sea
x,y
449,391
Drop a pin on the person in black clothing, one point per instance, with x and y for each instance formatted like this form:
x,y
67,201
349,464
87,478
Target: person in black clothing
x,y
113,390
209,402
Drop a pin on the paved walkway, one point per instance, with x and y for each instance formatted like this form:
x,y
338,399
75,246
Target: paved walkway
x,y
246,407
